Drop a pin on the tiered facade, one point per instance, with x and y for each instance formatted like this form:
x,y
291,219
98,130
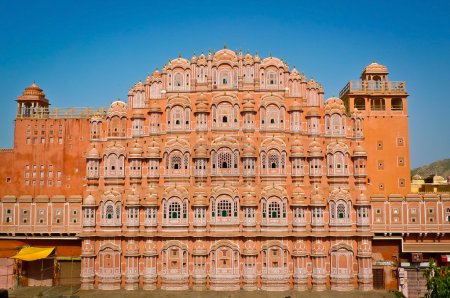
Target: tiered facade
x,y
222,172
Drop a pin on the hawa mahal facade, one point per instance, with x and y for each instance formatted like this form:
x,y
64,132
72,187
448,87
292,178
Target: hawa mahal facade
x,y
223,172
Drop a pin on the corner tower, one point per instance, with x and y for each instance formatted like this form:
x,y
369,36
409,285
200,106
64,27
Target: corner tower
x,y
383,103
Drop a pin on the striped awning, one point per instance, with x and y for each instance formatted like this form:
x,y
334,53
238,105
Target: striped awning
x,y
33,253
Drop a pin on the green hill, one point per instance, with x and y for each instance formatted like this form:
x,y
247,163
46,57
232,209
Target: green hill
x,y
440,167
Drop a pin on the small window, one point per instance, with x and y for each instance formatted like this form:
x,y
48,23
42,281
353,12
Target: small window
x,y
401,182
380,165
381,186
401,161
400,142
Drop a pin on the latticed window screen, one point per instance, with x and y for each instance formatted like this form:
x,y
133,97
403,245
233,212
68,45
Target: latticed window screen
x,y
118,211
224,208
341,211
109,211
186,161
332,210
224,160
175,162
274,210
174,210
273,161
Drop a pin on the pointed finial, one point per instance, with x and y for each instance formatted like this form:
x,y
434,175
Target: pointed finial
x,y
224,45
179,54
270,54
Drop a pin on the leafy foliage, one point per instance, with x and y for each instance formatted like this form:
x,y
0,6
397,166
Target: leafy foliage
x,y
438,281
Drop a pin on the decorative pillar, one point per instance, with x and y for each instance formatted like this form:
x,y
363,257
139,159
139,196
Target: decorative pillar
x,y
250,273
199,254
149,272
300,259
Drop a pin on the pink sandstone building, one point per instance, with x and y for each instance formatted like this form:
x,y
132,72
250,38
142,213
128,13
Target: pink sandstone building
x,y
223,172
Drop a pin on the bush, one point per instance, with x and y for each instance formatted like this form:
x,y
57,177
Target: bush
x,y
438,281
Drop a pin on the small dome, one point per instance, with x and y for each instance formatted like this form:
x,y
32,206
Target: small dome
x,y
139,86
359,151
225,54
439,179
33,90
314,149
295,106
118,108
297,148
131,91
93,154
151,197
155,107
156,73
153,150
299,249
89,201
362,199
201,148
334,103
248,103
298,197
200,199
256,58
249,149
295,72
148,80
313,112
201,104
317,198
417,177
375,68
132,200
136,150
199,248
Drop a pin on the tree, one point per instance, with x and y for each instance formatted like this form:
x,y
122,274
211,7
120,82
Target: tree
x,y
438,281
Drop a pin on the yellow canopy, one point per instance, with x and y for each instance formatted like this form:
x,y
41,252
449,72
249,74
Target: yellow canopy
x,y
33,253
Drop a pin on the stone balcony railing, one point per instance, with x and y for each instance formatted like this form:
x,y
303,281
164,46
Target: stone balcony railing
x,y
359,86
62,113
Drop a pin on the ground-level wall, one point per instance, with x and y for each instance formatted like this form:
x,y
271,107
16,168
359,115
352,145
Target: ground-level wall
x,y
250,263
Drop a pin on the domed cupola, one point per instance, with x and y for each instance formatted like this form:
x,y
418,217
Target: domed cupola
x,y
153,150
297,148
201,104
136,151
201,148
93,154
314,150
32,102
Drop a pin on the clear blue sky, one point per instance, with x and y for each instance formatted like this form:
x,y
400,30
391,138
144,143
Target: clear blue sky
x,y
89,53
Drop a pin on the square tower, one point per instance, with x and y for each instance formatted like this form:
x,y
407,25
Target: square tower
x,y
383,103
